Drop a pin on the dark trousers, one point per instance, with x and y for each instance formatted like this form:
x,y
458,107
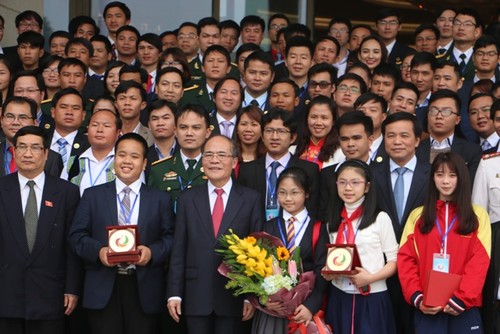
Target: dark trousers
x,y
213,324
21,326
123,314
467,322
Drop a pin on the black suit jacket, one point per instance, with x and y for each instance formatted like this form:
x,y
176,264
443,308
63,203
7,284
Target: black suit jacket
x,y
398,53
253,175
53,165
80,145
97,210
32,285
216,130
381,175
311,260
469,70
470,152
93,88
193,272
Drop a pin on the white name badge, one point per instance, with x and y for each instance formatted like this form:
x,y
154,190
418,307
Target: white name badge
x,y
272,213
441,262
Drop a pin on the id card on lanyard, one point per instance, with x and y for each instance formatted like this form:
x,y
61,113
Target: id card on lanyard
x,y
441,260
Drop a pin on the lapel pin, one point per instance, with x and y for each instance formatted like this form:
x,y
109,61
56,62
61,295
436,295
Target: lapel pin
x,y
49,204
76,146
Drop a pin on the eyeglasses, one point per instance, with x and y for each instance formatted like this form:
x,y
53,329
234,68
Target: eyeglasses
x,y
351,89
392,23
293,194
489,54
433,111
49,71
35,149
466,24
9,118
422,39
186,37
483,110
219,155
174,63
28,25
352,183
404,67
321,84
19,91
277,26
341,30
280,132
205,35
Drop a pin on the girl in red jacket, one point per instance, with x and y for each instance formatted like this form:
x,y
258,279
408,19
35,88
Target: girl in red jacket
x,y
451,235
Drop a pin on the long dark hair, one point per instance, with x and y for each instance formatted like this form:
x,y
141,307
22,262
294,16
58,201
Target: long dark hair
x,y
332,139
370,210
466,218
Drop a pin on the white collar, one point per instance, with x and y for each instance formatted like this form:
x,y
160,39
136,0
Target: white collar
x,y
134,186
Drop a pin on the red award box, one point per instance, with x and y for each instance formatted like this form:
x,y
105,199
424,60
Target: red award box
x,y
439,288
122,242
342,259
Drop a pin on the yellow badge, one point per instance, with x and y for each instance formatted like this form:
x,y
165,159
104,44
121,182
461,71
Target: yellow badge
x,y
379,159
202,170
168,188
204,177
47,126
170,176
306,102
196,66
76,146
200,92
212,127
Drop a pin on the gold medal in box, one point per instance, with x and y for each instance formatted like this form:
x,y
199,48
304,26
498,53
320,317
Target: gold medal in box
x,y
122,242
342,259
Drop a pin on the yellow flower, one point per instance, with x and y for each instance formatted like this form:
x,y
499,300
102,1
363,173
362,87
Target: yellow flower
x,y
254,251
282,253
251,240
241,258
236,250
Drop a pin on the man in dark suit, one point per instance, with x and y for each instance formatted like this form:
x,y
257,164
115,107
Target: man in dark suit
x,y
443,117
278,133
401,184
17,112
128,297
258,74
40,279
68,114
388,24
193,280
228,96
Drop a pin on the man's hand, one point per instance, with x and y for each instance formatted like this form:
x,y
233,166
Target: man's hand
x,y
103,256
70,302
174,308
145,255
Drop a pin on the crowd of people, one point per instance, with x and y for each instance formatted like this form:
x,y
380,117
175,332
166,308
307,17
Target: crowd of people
x,y
197,131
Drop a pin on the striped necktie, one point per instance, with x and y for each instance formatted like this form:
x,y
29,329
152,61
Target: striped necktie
x,y
290,232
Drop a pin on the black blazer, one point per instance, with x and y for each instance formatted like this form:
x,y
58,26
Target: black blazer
x,y
193,272
398,53
469,70
93,88
98,209
311,260
32,285
53,165
381,175
253,175
214,125
470,152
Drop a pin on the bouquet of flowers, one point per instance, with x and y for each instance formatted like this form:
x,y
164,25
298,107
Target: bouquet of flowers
x,y
261,266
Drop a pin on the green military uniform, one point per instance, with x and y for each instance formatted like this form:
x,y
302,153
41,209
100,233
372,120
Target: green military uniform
x,y
170,175
198,95
195,69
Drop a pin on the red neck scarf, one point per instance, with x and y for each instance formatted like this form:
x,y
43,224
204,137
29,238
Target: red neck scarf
x,y
346,225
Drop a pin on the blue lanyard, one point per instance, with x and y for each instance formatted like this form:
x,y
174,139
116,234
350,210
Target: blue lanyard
x,y
445,235
122,209
93,182
284,240
183,186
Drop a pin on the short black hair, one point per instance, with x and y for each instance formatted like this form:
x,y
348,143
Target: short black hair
x,y
387,70
277,113
403,116
473,13
187,24
286,80
136,137
299,41
486,40
297,29
169,69
277,16
477,96
26,73
424,58
216,48
159,104
443,94
341,20
427,26
29,15
133,69
123,7
78,21
207,21
79,41
253,20
452,64
386,12
494,108
405,85
21,100
360,65
66,91
59,33
32,130
355,117
31,38
323,67
369,96
230,24
102,39
219,84
331,39
355,77
72,62
195,108
261,56
123,87
152,39
128,28
247,47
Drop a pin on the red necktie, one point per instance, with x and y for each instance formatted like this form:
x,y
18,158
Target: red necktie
x,y
347,225
218,211
12,166
150,83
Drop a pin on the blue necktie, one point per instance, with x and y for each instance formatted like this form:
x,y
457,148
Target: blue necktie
x,y
399,192
271,191
62,149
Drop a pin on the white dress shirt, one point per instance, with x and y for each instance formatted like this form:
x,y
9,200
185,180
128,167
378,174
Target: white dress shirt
x,y
25,190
